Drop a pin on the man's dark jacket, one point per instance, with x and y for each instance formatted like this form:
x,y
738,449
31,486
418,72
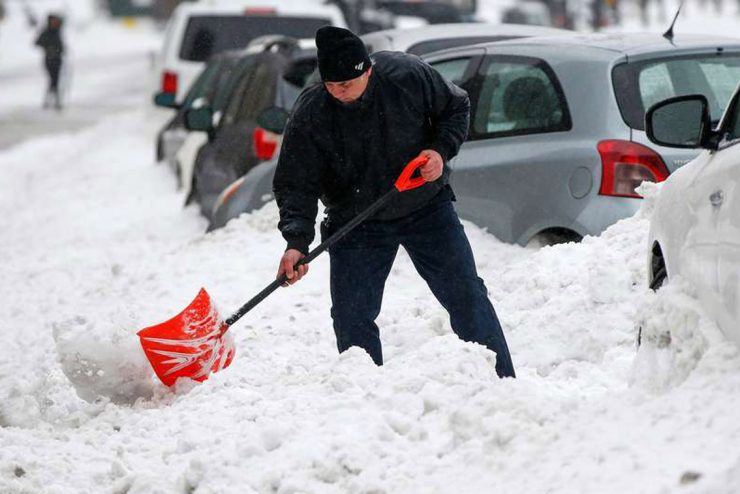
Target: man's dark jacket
x,y
50,40
349,155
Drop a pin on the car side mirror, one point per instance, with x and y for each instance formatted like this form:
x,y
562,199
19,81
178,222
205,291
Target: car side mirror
x,y
166,100
680,122
199,119
273,119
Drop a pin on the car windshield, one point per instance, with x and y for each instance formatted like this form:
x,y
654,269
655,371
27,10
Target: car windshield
x,y
211,34
639,85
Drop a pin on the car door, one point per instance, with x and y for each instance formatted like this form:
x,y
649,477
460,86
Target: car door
x,y
511,175
726,200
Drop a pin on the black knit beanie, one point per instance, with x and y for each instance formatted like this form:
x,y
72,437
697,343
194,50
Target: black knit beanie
x,y
342,55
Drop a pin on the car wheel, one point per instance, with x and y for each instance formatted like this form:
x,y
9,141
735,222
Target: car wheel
x,y
660,276
554,236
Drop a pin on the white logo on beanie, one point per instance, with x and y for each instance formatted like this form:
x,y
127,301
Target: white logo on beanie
x,y
359,65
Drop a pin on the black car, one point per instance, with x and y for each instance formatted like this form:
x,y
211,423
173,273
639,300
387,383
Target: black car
x,y
269,75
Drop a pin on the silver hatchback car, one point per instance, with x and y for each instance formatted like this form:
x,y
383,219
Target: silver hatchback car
x,y
557,139
556,145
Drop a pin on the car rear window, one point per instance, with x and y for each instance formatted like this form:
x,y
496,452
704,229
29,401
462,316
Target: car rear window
x,y
211,34
639,85
518,96
431,45
256,89
294,78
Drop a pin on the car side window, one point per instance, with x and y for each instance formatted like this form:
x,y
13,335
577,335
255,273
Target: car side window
x,y
452,70
516,96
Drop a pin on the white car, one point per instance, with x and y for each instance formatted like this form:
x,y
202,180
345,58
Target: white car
x,y
198,30
695,228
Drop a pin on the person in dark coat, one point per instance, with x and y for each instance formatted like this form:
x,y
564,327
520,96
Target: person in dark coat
x,y
50,40
346,143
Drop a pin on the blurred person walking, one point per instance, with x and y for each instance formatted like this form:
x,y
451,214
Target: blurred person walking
x,y
50,40
346,142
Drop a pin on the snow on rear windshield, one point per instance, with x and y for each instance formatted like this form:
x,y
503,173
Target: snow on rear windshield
x,y
208,35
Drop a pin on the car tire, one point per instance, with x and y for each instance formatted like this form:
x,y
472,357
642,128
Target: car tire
x,y
554,236
659,271
659,278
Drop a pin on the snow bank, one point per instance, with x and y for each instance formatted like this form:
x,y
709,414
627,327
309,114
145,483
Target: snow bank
x,y
675,334
103,361
107,249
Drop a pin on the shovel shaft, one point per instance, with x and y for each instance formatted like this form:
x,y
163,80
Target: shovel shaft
x,y
373,208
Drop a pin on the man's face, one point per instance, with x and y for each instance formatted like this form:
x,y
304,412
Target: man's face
x,y
351,90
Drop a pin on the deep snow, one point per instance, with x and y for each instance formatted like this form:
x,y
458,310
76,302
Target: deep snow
x,y
96,245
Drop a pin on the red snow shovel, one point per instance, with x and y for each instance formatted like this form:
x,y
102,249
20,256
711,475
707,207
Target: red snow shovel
x,y
194,343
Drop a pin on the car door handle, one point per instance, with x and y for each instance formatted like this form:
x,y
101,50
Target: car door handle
x,y
716,198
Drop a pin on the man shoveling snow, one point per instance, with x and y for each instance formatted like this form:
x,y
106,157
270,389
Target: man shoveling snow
x,y
346,142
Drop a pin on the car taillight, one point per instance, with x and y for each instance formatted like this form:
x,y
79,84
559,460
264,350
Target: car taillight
x,y
265,143
169,82
260,11
625,165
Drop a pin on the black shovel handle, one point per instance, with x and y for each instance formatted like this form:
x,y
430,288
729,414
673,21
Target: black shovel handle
x,y
405,182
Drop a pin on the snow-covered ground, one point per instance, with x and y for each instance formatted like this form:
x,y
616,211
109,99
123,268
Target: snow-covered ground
x,y
95,245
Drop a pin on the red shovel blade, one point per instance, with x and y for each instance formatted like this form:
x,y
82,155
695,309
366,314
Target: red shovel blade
x,y
192,344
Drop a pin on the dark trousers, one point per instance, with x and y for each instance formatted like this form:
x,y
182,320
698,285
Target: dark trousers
x,y
53,69
441,253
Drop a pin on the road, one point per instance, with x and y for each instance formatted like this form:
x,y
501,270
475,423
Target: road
x,y
96,87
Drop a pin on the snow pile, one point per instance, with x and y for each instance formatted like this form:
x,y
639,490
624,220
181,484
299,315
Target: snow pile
x,y
675,334
589,411
103,363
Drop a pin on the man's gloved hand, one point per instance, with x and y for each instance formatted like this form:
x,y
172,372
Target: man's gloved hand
x,y
290,257
433,169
